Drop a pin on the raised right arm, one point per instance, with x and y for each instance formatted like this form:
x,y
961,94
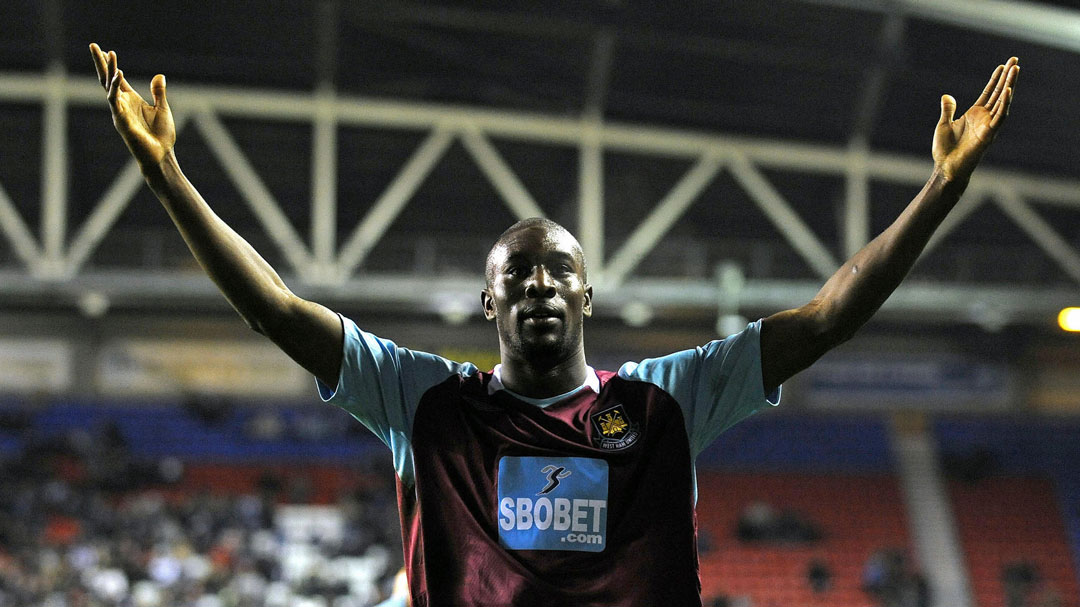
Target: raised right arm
x,y
308,332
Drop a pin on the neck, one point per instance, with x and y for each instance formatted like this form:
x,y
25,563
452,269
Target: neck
x,y
543,379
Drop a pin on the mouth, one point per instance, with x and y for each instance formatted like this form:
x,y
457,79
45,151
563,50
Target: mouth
x,y
541,312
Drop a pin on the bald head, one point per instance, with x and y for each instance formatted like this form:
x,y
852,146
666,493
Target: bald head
x,y
554,231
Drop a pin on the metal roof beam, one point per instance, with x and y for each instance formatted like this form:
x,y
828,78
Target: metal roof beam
x,y
924,301
383,212
54,172
660,219
254,191
18,234
500,175
1040,231
786,220
361,111
116,198
590,229
592,138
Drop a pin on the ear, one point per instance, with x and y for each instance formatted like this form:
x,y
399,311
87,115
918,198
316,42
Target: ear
x,y
487,302
587,308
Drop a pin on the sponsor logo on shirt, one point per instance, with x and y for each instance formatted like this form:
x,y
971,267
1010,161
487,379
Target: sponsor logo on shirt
x,y
614,430
553,503
554,473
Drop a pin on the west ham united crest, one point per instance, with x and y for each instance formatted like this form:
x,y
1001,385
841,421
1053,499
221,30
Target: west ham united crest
x,y
614,429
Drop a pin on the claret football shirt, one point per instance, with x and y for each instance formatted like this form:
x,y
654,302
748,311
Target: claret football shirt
x,y
582,499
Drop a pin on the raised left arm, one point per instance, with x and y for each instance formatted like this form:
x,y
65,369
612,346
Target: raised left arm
x,y
793,339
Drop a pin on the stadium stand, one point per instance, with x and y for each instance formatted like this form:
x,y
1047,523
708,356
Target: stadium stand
x,y
834,471
1005,521
76,470
188,504
857,515
1014,493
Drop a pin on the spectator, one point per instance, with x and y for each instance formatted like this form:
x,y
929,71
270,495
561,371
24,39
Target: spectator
x,y
889,578
760,521
819,576
756,521
1019,579
133,548
265,426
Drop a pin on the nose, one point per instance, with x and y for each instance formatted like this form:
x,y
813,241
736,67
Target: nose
x,y
540,283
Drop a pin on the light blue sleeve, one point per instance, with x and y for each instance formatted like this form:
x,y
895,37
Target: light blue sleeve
x,y
716,385
395,601
380,384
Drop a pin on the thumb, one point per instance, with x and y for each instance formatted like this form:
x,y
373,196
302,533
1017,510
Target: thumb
x,y
948,108
157,91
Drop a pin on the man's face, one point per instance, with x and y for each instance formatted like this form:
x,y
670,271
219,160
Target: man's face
x,y
537,295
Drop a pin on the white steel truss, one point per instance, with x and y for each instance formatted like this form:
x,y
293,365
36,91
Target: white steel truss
x,y
321,267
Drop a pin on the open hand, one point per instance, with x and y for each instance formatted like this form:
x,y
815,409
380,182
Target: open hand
x,y
959,144
148,130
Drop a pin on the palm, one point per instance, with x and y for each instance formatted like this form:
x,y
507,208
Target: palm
x,y
959,144
148,131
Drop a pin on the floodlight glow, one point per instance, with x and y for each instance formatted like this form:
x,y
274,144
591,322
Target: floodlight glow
x,y
1069,319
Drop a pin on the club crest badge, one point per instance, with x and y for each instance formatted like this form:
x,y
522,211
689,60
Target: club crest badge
x,y
613,429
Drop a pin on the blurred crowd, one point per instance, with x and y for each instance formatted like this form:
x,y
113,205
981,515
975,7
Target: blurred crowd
x,y
760,521
84,525
891,578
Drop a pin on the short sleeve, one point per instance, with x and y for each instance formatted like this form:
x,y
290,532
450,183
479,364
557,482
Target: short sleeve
x,y
381,384
716,385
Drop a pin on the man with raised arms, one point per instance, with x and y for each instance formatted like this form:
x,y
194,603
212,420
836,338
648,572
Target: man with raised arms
x,y
545,481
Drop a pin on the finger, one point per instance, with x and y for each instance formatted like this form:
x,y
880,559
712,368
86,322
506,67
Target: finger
x,y
989,88
1002,105
114,86
1002,110
157,91
999,104
1011,87
1012,75
99,63
948,109
998,88
110,62
1003,82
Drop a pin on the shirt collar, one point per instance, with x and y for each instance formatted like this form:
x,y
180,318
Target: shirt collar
x,y
592,381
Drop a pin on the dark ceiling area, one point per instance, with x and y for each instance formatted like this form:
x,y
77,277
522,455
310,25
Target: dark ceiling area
x,y
789,69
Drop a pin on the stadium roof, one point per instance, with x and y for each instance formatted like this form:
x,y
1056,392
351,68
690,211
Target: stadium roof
x,y
709,155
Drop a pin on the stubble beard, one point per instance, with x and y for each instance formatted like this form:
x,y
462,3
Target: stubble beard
x,y
542,349
549,348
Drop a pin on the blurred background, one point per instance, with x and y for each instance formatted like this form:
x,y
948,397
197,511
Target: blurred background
x,y
717,161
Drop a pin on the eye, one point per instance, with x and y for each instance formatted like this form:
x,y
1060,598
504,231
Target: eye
x,y
517,271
